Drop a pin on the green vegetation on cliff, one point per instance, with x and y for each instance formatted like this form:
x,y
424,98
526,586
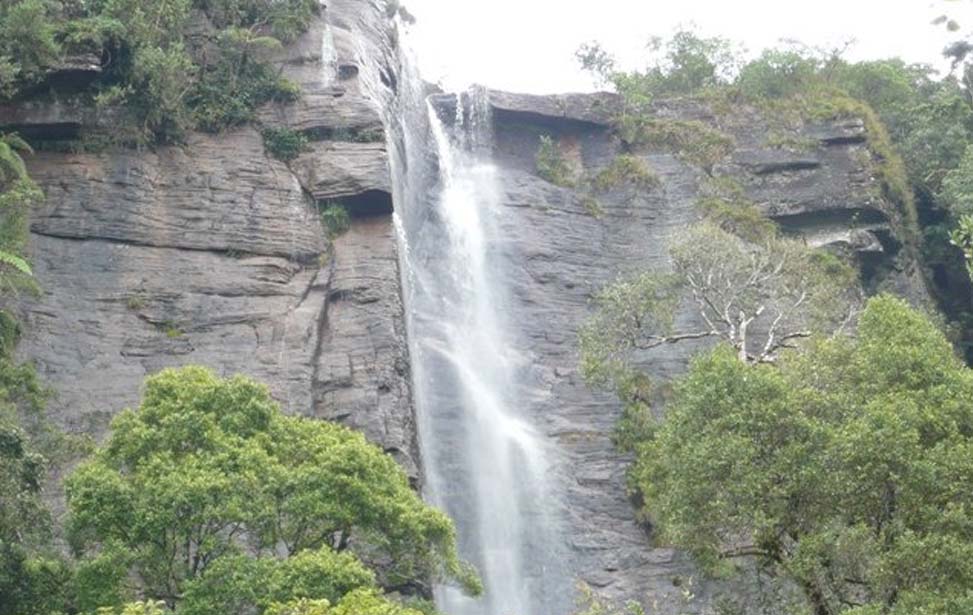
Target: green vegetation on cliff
x,y
174,65
31,570
918,127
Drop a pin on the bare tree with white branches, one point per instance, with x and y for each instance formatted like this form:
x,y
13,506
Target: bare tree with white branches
x,y
760,297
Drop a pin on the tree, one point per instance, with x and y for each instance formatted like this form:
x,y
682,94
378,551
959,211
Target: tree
x,y
845,469
686,63
209,499
360,602
759,297
32,577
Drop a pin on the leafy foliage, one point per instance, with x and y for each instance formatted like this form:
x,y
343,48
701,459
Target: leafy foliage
x,y
692,140
685,64
552,165
32,577
625,169
284,144
231,89
32,574
171,81
18,193
726,205
197,493
591,604
335,218
844,470
962,238
152,607
27,43
360,602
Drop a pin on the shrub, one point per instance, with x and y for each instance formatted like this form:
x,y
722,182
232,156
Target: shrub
x,y
335,218
725,204
693,141
551,163
625,169
284,143
778,74
592,206
158,91
27,42
230,90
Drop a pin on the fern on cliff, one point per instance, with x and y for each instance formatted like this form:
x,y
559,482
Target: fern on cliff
x,y
11,162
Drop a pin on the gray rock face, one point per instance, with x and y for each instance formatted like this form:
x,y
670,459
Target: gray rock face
x,y
332,170
213,253
216,193
560,254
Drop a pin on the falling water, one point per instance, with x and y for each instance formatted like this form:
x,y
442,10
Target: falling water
x,y
485,462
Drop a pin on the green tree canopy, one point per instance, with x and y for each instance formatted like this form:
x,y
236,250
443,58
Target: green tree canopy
x,y
210,499
846,469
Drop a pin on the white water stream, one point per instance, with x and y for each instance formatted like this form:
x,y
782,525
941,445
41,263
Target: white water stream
x,y
485,462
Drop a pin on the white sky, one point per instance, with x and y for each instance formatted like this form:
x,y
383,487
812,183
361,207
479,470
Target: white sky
x,y
529,45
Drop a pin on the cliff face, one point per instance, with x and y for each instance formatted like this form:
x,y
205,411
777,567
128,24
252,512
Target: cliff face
x,y
214,253
560,254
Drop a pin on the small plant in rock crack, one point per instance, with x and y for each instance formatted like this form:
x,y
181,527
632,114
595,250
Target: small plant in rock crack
x,y
552,164
135,302
335,219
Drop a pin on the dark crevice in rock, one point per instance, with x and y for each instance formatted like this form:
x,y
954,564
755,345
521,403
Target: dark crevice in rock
x,y
49,120
368,204
558,124
354,134
783,166
842,140
347,71
445,106
323,333
388,78
834,218
55,131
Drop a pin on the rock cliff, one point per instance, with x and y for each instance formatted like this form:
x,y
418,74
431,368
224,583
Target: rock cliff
x,y
214,253
560,252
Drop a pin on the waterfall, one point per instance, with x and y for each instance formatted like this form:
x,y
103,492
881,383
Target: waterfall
x,y
485,462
